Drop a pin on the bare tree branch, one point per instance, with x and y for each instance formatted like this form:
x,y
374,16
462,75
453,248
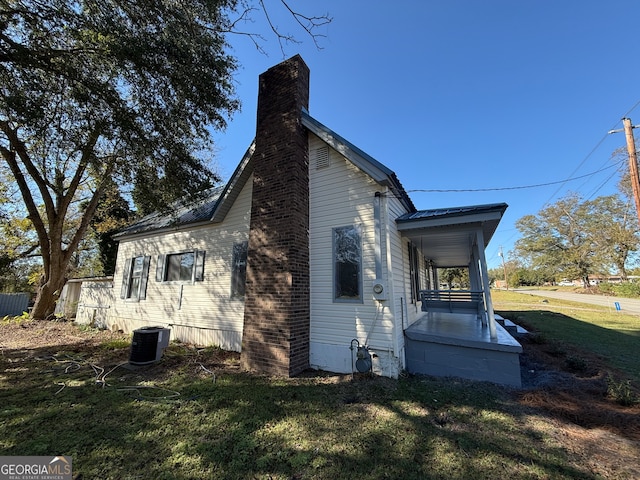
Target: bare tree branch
x,y
309,24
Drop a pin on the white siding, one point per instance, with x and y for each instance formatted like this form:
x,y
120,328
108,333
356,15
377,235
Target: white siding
x,y
199,312
403,311
67,303
342,195
203,313
94,301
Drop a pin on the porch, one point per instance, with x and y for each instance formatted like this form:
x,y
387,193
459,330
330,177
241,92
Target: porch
x,y
456,334
460,345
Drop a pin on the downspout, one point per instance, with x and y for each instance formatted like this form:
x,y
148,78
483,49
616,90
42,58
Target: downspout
x,y
485,284
377,234
382,259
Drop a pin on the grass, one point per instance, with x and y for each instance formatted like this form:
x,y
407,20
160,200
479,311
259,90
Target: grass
x,y
194,415
190,426
613,335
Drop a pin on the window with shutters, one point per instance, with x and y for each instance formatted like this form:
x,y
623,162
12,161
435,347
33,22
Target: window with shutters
x,y
184,267
134,279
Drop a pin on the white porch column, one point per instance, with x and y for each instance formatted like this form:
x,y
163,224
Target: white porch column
x,y
475,277
482,261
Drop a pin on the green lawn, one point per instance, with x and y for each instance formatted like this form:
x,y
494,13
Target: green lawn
x,y
611,334
195,416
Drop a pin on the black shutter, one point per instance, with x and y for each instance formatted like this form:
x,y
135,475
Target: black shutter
x,y
144,278
126,277
199,266
160,268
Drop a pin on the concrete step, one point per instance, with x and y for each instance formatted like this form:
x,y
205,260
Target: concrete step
x,y
510,327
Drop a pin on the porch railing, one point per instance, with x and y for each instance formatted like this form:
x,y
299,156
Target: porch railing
x,y
454,301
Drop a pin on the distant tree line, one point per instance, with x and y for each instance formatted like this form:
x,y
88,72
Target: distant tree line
x,y
575,239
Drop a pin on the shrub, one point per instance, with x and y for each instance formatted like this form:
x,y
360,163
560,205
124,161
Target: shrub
x,y
628,289
622,391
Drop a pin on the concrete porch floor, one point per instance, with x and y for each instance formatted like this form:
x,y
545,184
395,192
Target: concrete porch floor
x,y
458,345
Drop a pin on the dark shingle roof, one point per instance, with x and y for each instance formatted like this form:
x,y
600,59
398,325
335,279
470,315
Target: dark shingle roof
x,y
182,213
216,202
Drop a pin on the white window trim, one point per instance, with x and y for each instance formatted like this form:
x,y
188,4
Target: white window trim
x,y
197,272
141,294
360,298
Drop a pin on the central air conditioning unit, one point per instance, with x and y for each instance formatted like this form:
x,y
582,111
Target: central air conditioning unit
x,y
148,345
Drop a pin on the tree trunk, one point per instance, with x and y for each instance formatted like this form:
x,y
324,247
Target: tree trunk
x,y
623,273
48,294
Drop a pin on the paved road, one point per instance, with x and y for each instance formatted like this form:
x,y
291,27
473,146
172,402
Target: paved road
x,y
627,305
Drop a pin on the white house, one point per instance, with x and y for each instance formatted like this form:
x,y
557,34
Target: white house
x,y
314,256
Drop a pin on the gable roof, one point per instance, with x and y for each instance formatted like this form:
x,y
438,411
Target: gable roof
x,y
376,170
217,202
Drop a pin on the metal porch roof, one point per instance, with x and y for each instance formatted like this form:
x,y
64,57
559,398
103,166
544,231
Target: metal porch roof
x,y
445,235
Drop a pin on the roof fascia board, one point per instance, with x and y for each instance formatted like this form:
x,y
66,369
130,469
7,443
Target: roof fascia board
x,y
404,225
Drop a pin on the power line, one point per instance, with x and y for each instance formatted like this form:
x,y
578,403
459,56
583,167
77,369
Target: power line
x,y
592,151
578,168
590,196
522,187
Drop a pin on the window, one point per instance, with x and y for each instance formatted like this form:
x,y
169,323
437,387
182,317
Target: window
x,y
134,279
239,269
181,267
347,264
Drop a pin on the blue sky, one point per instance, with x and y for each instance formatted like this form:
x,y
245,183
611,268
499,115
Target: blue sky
x,y
465,95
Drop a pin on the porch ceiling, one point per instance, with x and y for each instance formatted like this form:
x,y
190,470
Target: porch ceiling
x,y
445,236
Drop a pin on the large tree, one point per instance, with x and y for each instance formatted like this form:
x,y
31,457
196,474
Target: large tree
x,y
98,91
113,92
613,226
573,238
557,239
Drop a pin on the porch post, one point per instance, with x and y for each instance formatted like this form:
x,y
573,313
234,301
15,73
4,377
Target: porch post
x,y
485,283
475,279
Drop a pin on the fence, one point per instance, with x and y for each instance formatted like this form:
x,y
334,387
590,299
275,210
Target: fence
x,y
13,304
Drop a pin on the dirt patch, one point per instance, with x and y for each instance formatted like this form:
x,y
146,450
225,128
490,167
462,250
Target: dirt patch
x,y
570,389
573,385
30,335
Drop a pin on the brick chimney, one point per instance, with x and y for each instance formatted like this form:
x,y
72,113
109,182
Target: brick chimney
x,y
277,313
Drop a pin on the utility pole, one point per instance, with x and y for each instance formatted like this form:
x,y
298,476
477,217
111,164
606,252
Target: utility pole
x,y
504,268
633,161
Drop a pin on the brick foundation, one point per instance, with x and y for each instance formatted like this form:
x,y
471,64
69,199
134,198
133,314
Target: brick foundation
x,y
277,313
